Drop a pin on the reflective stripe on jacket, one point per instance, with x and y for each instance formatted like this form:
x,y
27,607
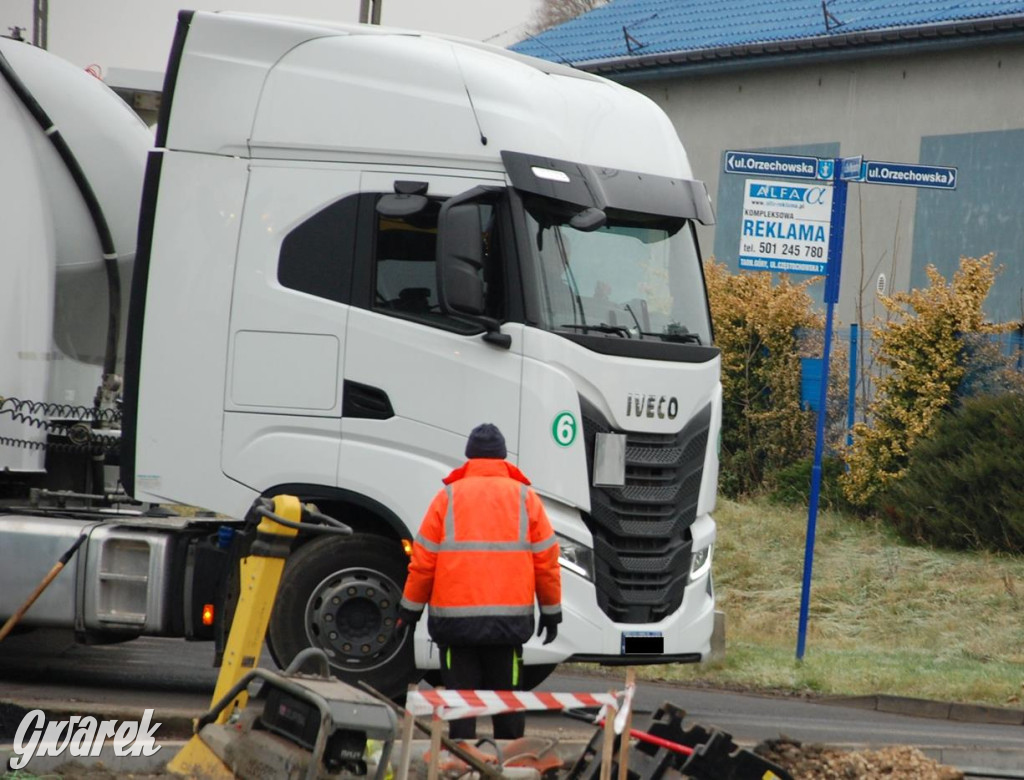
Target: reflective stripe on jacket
x,y
484,552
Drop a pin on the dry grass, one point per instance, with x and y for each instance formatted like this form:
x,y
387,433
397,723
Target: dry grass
x,y
884,617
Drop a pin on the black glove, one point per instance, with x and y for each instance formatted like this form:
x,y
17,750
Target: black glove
x,y
406,617
549,623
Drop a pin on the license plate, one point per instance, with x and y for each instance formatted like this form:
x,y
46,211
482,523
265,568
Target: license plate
x,y
643,643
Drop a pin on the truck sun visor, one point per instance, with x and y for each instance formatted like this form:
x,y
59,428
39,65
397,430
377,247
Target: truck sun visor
x,y
604,188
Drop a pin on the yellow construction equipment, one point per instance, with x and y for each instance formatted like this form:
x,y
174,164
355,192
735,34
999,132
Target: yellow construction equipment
x,y
303,725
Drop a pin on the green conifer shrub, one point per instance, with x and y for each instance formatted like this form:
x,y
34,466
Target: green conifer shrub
x,y
963,486
792,484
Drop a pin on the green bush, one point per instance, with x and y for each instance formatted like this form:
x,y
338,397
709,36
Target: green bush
x,y
963,487
792,485
925,353
763,327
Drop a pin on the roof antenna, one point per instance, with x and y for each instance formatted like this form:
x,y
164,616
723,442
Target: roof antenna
x,y
632,44
831,20
469,97
557,53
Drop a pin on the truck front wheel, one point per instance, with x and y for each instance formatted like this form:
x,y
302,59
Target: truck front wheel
x,y
341,595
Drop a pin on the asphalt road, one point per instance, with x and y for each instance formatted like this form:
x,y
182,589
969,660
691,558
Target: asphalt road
x,y
174,675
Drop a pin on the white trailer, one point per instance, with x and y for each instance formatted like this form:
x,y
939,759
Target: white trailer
x,y
354,245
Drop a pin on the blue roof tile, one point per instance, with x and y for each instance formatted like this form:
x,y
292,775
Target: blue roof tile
x,y
625,29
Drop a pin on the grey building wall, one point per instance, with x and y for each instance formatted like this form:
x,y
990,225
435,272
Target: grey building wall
x,y
961,106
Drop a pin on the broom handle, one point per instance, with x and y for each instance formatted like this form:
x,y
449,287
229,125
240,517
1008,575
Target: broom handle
x,y
12,621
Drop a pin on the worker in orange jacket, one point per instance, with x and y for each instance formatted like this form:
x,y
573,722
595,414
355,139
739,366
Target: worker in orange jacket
x,y
484,552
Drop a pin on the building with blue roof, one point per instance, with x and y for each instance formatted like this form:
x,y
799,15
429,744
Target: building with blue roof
x,y
934,82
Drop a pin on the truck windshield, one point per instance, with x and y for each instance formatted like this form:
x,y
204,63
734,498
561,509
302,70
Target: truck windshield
x,y
638,276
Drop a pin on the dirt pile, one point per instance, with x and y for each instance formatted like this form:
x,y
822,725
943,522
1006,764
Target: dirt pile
x,y
817,762
804,762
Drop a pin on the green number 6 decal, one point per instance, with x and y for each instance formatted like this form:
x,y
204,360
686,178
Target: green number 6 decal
x,y
563,429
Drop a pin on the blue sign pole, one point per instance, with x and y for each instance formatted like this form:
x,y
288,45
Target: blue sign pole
x,y
851,398
840,172
835,264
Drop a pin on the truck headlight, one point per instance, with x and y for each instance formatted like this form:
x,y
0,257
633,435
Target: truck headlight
x,y
700,563
576,557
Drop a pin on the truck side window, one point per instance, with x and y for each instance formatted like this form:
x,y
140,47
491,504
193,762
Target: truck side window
x,y
405,271
317,255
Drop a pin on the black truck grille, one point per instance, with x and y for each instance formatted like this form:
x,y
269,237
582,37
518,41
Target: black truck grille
x,y
642,541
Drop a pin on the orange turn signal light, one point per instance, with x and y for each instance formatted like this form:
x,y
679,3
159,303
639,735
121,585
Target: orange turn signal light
x,y
207,614
407,546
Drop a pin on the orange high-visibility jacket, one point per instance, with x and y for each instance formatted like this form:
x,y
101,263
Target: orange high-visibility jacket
x,y
485,550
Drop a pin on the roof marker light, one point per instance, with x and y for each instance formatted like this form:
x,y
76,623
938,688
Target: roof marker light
x,y
550,174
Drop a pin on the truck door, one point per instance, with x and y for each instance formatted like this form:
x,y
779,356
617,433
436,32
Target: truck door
x,y
289,312
425,379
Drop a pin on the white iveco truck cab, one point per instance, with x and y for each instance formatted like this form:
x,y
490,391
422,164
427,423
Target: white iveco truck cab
x,y
356,244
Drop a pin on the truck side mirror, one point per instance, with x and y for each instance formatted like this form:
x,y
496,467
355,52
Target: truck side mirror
x,y
399,205
409,198
460,254
460,260
589,220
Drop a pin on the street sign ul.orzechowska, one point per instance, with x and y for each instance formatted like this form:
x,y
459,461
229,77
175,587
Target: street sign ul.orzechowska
x,y
782,230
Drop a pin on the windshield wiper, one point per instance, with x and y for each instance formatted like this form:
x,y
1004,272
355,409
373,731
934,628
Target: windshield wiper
x,y
618,330
681,337
636,321
676,333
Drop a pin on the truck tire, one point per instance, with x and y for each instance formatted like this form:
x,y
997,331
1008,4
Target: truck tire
x,y
341,594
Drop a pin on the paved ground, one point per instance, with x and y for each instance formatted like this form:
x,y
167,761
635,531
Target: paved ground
x,y
118,682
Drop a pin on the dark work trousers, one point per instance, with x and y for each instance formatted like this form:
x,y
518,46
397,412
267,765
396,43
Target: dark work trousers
x,y
484,668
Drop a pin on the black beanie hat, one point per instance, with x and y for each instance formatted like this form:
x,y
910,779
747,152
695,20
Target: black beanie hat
x,y
486,441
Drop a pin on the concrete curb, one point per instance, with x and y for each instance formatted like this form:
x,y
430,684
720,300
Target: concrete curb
x,y
926,708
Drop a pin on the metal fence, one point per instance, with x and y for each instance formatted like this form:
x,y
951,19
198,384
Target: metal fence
x,y
985,354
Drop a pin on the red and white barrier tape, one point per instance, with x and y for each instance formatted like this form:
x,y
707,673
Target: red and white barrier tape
x,y
451,705
624,708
